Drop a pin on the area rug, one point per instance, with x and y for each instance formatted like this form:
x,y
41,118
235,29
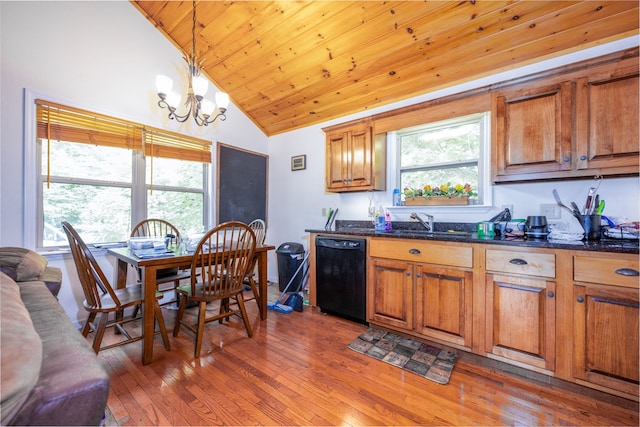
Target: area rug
x,y
425,360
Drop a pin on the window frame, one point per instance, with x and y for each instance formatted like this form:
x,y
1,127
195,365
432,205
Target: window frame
x,y
33,226
485,196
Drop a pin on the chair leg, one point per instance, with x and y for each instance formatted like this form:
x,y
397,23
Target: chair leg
x,y
179,314
224,308
202,311
102,326
161,326
87,325
245,318
256,293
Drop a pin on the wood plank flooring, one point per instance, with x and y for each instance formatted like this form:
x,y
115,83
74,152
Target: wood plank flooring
x,y
297,370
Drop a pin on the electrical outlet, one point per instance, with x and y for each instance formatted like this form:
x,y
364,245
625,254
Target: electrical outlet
x,y
510,207
550,210
324,211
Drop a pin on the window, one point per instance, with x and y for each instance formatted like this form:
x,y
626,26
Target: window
x,y
104,175
451,151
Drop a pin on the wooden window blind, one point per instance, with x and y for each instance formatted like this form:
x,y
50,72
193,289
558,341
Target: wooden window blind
x,y
161,143
60,122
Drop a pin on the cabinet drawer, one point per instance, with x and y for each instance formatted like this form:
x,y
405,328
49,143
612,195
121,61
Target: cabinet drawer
x,y
421,251
606,271
532,264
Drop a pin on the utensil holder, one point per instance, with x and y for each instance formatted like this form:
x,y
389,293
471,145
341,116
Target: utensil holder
x,y
591,226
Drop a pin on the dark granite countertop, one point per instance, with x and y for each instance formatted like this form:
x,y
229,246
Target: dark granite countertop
x,y
465,232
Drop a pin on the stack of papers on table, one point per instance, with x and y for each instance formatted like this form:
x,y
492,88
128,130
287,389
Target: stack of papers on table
x,y
152,253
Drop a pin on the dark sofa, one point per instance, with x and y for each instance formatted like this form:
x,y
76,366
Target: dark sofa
x,y
49,375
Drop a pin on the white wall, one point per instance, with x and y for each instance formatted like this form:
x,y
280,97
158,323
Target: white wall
x,y
104,56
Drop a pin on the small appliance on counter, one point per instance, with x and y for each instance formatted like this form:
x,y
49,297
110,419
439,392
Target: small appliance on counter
x,y
536,227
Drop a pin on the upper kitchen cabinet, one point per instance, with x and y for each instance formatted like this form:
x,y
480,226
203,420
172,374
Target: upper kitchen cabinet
x,y
573,123
355,158
607,121
532,131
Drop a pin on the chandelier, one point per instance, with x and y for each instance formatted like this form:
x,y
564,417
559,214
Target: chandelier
x,y
201,109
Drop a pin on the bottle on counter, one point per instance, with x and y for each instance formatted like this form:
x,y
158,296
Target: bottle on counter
x,y
396,197
387,221
380,220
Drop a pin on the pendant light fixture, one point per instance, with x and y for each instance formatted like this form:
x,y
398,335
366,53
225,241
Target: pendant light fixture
x,y
200,108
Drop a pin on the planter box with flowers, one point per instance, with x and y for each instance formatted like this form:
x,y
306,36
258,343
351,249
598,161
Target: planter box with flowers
x,y
443,195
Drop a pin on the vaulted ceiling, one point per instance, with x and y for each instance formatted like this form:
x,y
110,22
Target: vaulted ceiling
x,y
290,64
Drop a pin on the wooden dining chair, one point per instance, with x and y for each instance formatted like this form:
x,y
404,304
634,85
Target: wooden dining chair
x,y
160,228
259,229
102,300
220,263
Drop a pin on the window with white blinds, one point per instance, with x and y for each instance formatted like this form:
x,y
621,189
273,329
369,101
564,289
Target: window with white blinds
x,y
104,174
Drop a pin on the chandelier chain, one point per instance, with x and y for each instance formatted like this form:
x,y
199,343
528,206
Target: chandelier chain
x,y
194,101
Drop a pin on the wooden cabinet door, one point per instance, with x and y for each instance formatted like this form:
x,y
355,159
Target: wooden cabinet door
x,y
337,172
349,159
607,122
444,304
606,336
360,152
390,293
520,319
532,131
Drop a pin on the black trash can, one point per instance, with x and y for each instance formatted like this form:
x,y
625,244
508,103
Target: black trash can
x,y
290,257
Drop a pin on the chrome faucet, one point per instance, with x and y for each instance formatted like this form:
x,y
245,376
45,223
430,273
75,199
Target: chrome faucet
x,y
428,225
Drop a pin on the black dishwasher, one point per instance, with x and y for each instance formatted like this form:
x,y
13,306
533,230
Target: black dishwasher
x,y
341,277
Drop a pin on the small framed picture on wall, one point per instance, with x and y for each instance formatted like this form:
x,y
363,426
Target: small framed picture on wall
x,y
299,162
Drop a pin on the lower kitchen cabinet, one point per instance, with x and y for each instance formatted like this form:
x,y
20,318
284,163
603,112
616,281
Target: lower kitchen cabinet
x,y
425,290
606,323
390,293
520,320
443,304
570,314
520,307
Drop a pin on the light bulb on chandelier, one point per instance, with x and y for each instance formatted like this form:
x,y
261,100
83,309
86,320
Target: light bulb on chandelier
x,y
202,109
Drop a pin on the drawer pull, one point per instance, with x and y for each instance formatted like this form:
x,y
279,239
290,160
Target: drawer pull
x,y
583,157
518,261
566,159
414,251
580,299
550,294
627,272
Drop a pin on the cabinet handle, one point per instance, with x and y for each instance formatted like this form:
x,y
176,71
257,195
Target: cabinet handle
x,y
627,272
580,299
418,275
408,273
583,157
567,159
550,294
518,261
414,251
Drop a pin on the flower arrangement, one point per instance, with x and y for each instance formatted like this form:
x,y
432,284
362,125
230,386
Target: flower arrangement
x,y
446,190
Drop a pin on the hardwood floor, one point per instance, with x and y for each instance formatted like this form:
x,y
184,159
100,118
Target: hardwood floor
x,y
297,370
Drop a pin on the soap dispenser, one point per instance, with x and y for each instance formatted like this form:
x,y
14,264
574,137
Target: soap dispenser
x,y
387,221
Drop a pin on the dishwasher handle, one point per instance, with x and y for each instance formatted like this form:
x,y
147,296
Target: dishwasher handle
x,y
341,244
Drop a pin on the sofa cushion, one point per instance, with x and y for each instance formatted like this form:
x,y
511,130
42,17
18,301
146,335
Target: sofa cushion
x,y
73,385
21,264
21,355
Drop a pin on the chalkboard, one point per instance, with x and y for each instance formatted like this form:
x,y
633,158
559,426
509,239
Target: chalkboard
x,y
242,185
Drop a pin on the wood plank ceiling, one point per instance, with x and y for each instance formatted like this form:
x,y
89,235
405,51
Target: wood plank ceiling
x,y
290,64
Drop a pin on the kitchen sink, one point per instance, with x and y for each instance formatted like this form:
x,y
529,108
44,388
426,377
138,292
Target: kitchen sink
x,y
430,233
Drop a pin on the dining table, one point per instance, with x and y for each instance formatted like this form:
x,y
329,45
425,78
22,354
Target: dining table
x,y
148,268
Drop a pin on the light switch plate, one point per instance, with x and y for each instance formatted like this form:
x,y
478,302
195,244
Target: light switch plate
x,y
550,210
